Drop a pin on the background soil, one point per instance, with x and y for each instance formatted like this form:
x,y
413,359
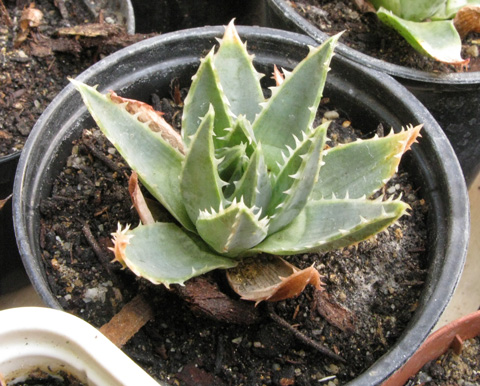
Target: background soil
x,y
371,290
35,70
364,32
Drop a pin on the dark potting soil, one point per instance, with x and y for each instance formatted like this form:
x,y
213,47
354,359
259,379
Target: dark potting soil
x,y
452,369
35,70
364,32
39,377
371,290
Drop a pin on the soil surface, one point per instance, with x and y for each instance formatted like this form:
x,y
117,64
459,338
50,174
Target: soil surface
x,y
371,290
452,369
36,60
366,33
39,377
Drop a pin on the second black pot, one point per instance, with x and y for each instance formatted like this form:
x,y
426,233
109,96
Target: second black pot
x,y
368,97
453,99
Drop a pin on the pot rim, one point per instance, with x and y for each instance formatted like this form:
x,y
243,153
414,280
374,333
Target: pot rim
x,y
395,70
435,299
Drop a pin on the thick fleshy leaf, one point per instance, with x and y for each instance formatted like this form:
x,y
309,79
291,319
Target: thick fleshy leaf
x,y
360,168
133,139
270,278
239,79
292,107
200,183
231,159
414,10
205,91
451,7
325,225
297,177
146,114
241,133
233,230
438,39
254,188
166,254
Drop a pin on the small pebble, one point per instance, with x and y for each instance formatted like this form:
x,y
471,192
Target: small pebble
x,y
330,115
472,51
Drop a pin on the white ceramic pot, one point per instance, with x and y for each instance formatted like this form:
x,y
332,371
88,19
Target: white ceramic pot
x,y
50,339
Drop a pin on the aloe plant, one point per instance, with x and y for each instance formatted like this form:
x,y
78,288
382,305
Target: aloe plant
x,y
429,25
249,179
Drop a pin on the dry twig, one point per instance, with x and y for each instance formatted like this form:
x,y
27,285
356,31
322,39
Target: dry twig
x,y
131,318
302,337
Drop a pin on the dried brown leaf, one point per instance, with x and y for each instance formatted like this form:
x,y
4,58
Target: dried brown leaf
x,y
467,20
138,200
333,312
31,17
277,76
4,201
364,6
271,278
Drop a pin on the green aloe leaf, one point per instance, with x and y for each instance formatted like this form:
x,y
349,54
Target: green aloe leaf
x,y
414,10
205,91
165,253
254,188
200,184
241,133
296,179
438,39
232,231
360,168
451,7
324,225
158,171
231,159
292,107
239,79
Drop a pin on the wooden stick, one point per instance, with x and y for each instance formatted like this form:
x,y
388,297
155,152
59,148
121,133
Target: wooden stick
x,y
131,318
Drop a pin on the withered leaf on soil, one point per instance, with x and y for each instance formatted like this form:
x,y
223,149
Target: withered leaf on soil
x,y
333,312
31,17
467,20
257,280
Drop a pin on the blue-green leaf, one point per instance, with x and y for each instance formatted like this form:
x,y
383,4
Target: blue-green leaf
x,y
438,39
165,253
238,77
200,184
325,225
290,111
156,162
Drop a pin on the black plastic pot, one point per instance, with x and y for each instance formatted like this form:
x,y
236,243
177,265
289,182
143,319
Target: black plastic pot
x,y
172,15
12,274
453,99
368,97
